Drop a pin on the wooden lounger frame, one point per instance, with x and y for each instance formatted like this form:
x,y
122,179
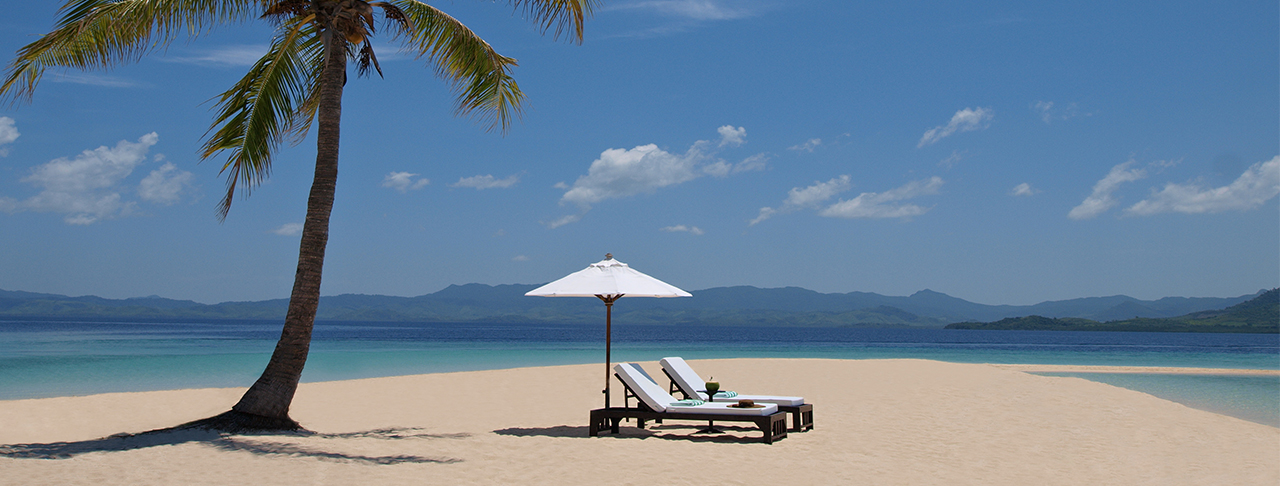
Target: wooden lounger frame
x,y
801,415
774,426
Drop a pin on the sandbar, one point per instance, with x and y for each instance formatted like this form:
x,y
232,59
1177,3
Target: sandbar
x,y
898,421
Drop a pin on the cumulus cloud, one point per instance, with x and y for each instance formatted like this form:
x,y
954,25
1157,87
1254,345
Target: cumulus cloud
x,y
806,197
1101,200
85,188
732,136
404,182
1255,186
620,173
966,120
680,228
519,258
807,146
288,229
486,182
1023,189
165,185
885,204
8,133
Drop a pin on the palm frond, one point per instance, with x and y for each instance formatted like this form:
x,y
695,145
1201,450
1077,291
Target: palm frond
x,y
480,76
365,58
558,13
97,34
262,108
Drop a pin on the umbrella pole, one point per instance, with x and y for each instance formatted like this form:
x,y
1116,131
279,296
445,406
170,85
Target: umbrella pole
x,y
608,338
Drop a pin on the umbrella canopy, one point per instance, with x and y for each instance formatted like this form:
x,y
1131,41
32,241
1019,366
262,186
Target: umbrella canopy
x,y
608,277
609,280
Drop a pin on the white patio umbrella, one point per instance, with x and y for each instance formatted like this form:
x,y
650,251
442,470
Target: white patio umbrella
x,y
609,280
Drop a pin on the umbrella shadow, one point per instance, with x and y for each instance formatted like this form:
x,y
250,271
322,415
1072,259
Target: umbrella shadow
x,y
260,444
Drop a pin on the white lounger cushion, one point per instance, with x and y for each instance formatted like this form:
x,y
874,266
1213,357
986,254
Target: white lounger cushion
x,y
687,379
658,399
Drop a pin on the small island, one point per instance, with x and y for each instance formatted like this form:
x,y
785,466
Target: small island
x,y
1258,315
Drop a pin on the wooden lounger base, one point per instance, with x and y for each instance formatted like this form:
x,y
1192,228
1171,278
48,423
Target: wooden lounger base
x,y
801,416
774,426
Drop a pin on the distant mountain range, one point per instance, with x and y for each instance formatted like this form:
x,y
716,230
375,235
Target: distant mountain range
x,y
1260,314
789,306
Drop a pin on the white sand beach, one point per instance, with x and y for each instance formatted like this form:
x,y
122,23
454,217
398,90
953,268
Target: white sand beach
x,y
876,422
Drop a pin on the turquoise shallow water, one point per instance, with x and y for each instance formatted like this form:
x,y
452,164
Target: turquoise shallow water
x,y
1252,398
46,359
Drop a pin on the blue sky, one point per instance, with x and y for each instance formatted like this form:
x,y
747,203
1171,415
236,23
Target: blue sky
x,y
1004,153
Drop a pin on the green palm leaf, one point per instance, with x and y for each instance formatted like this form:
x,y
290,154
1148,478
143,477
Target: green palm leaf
x,y
264,107
97,34
479,74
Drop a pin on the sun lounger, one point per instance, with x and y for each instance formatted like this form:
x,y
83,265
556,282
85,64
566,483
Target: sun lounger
x,y
687,382
655,404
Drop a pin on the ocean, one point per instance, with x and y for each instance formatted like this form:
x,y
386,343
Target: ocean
x,y
41,359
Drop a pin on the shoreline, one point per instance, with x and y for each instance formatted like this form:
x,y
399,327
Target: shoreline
x,y
1153,370
891,421
1022,367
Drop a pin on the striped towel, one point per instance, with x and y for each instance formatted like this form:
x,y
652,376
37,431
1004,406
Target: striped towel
x,y
687,403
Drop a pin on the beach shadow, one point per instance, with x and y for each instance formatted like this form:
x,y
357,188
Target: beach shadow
x,y
558,431
233,442
668,432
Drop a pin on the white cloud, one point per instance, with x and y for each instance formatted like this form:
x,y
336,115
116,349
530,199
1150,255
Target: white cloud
x,y
85,188
486,182
951,160
1255,186
721,168
288,229
1023,189
1048,113
882,205
682,228
694,9
572,218
1100,200
621,173
1043,108
732,136
8,133
234,55
403,181
966,120
807,197
165,185
519,258
93,80
808,146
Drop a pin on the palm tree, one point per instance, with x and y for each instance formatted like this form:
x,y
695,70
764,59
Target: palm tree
x,y
299,80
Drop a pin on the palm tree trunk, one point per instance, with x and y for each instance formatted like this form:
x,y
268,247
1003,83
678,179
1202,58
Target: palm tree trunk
x,y
269,398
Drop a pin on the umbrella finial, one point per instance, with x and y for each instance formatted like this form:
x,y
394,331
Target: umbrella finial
x,y
608,256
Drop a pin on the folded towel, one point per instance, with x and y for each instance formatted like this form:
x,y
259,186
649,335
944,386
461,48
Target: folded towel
x,y
726,394
687,403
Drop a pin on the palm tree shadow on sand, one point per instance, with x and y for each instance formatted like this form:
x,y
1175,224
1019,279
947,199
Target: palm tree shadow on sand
x,y
253,443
